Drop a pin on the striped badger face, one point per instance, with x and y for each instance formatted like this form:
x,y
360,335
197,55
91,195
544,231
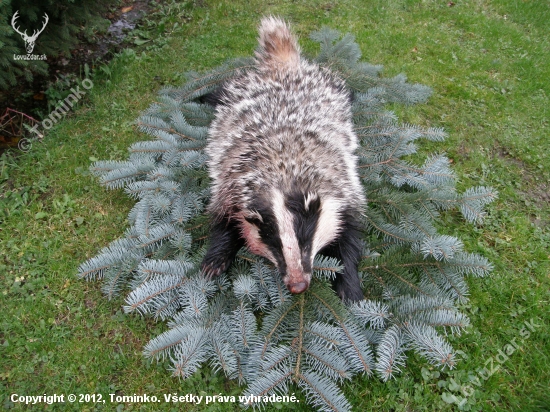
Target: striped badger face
x,y
289,231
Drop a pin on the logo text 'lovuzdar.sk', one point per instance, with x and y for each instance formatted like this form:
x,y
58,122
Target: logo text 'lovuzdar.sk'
x,y
30,41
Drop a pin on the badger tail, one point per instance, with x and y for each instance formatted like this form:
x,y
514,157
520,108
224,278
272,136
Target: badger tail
x,y
277,44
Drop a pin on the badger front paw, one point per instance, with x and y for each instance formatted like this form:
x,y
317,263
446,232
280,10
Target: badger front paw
x,y
225,242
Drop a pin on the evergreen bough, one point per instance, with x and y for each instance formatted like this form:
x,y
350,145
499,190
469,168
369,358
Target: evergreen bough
x,y
245,323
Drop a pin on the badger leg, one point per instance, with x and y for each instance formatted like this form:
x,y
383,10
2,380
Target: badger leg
x,y
347,248
225,242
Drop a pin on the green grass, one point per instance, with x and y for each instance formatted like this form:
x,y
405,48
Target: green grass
x,y
488,63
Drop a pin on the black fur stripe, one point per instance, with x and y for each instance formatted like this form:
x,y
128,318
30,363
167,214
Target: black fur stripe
x,y
305,223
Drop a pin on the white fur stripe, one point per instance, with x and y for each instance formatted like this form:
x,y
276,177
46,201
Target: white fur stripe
x,y
291,249
328,224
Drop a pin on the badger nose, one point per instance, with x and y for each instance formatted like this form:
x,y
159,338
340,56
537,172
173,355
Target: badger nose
x,y
296,288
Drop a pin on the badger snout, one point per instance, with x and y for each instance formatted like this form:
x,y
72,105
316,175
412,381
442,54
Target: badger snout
x,y
297,281
297,288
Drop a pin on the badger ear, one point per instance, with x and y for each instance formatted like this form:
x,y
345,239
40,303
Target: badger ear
x,y
312,203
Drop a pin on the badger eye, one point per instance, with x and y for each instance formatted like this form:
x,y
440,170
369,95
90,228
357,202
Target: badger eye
x,y
254,220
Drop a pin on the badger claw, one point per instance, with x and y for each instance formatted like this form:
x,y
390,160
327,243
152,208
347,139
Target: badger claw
x,y
212,270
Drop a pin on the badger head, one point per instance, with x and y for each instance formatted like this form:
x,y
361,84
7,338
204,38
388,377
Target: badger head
x,y
289,229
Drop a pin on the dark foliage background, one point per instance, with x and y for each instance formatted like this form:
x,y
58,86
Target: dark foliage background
x,y
69,21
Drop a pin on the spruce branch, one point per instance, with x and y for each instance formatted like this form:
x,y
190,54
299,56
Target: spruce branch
x,y
391,356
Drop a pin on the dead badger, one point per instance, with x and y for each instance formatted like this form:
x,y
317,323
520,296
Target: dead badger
x,y
284,176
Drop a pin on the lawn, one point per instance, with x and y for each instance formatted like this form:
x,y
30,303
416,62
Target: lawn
x,y
488,63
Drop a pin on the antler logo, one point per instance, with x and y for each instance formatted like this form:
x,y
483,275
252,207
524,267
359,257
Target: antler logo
x,y
29,40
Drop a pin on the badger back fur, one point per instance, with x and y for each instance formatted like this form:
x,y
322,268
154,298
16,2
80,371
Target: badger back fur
x,y
283,169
